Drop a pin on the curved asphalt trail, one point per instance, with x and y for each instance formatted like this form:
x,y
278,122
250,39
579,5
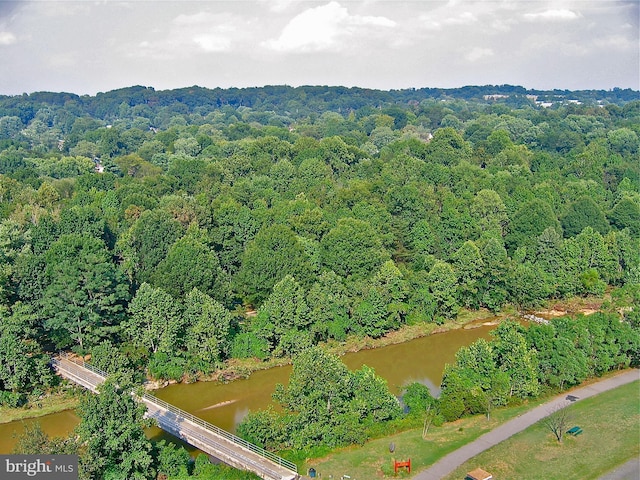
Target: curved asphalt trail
x,y
626,471
456,458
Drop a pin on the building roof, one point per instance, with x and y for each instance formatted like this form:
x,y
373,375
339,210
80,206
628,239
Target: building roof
x,y
479,474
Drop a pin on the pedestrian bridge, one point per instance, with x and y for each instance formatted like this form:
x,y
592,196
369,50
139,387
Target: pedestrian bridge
x,y
212,440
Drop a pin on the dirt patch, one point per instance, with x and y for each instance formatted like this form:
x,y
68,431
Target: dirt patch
x,y
573,306
555,313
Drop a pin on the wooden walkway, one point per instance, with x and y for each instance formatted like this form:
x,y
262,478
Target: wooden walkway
x,y
219,443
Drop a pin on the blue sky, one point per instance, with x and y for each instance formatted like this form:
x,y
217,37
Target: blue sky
x,y
89,46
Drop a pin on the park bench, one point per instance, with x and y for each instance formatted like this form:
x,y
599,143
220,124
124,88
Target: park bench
x,y
575,431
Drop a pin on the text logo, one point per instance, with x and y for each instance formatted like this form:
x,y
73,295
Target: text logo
x,y
45,467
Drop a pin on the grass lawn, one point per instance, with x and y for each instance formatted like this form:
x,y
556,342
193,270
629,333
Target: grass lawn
x,y
611,436
373,459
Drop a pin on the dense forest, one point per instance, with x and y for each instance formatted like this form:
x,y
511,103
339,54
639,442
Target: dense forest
x,y
165,233
173,230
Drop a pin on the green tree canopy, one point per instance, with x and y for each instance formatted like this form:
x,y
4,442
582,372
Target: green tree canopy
x,y
189,264
272,254
85,293
584,213
530,221
352,248
111,432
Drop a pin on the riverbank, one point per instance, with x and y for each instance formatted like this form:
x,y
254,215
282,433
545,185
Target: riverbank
x,y
52,403
242,368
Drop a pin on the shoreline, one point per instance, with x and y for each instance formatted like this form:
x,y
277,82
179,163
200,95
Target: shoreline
x,y
235,369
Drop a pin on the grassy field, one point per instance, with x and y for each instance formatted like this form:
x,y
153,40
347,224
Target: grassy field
x,y
611,436
373,460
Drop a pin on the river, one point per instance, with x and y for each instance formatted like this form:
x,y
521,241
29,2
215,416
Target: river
x,y
225,405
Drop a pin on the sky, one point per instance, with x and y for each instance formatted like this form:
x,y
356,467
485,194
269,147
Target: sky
x,y
88,46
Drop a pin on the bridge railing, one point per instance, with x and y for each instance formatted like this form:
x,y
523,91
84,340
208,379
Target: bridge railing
x,y
222,433
80,363
192,418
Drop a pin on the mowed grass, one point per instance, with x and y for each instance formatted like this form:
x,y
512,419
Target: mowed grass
x,y
611,436
373,459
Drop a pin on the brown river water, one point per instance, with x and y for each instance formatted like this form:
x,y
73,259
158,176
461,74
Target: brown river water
x,y
421,360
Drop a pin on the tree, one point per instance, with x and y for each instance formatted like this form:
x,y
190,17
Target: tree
x,y
584,257
623,141
549,255
490,212
443,283
111,431
626,214
557,421
448,147
493,281
173,461
531,219
154,320
34,441
468,266
146,243
352,248
560,364
234,226
421,404
323,404
383,304
329,307
189,264
584,213
372,401
528,284
514,357
23,366
112,359
12,243
272,254
85,293
283,319
417,397
208,326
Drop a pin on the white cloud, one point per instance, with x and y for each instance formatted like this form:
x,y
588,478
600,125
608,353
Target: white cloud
x,y
617,42
7,38
63,60
212,43
438,19
324,28
479,53
278,5
552,16
466,18
188,34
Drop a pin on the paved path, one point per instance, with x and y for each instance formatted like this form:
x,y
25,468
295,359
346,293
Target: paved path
x,y
456,458
626,471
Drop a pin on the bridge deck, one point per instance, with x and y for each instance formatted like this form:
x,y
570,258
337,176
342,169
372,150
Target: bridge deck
x,y
193,430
